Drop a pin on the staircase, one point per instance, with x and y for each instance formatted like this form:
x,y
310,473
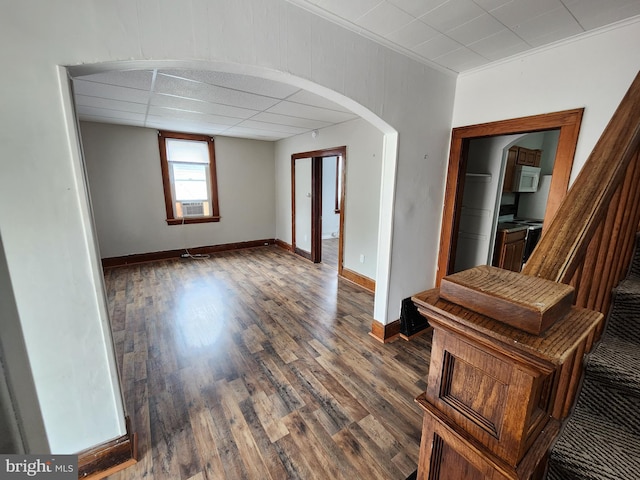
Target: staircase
x,y
601,439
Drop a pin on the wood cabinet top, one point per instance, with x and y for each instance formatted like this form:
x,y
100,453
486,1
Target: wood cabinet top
x,y
551,347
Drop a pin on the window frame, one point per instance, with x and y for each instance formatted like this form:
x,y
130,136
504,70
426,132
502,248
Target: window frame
x,y
169,201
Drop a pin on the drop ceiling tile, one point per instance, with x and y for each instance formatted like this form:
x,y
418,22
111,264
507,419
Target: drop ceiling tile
x,y
477,29
245,83
106,113
417,8
489,5
461,59
287,120
180,103
180,125
307,111
97,102
451,14
436,47
100,90
193,116
413,34
211,93
272,127
500,45
139,79
384,19
112,121
307,98
519,11
596,13
255,134
548,27
350,10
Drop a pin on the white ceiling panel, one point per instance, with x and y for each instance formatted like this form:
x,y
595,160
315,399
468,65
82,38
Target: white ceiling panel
x,y
514,13
350,10
287,120
591,14
307,98
211,93
114,92
417,8
384,19
244,83
114,114
413,34
97,102
193,116
452,14
254,134
139,79
272,127
475,24
308,111
188,104
480,27
438,46
500,45
461,59
548,27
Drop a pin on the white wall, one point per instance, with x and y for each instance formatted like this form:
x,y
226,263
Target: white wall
x,y
593,72
330,219
362,189
303,196
125,180
52,258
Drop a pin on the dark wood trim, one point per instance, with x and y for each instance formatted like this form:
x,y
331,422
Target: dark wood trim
x,y
166,181
316,243
191,220
343,159
316,209
110,457
284,245
358,279
166,254
385,333
303,254
338,199
569,124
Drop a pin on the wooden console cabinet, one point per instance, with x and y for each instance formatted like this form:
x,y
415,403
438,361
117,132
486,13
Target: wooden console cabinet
x,y
496,395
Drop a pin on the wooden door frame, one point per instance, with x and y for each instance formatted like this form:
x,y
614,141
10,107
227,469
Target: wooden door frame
x,y
568,122
316,202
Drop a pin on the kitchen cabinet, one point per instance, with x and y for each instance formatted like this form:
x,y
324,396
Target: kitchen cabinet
x,y
519,156
509,248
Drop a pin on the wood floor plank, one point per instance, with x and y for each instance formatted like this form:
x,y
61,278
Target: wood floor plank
x,y
257,364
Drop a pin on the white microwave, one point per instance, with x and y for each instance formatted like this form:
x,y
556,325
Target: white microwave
x,y
526,179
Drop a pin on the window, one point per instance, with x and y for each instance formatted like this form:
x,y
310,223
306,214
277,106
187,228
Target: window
x,y
189,178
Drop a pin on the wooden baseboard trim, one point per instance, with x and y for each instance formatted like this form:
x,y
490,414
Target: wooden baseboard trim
x,y
364,282
284,245
167,254
385,333
110,457
417,334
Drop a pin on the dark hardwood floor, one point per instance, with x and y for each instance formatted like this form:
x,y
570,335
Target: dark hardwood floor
x,y
257,364
330,252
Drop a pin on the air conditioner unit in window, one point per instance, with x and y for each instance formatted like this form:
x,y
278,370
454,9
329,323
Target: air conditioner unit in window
x,y
192,209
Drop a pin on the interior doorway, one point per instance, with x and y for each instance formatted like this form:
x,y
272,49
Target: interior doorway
x,y
567,122
317,203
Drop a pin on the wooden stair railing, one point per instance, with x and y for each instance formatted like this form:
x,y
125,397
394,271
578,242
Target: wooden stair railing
x,y
496,395
601,206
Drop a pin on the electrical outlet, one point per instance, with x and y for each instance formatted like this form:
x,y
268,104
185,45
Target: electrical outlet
x,y
361,258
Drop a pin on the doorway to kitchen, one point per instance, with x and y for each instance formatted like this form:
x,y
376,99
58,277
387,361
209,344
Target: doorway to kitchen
x,y
317,205
568,125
